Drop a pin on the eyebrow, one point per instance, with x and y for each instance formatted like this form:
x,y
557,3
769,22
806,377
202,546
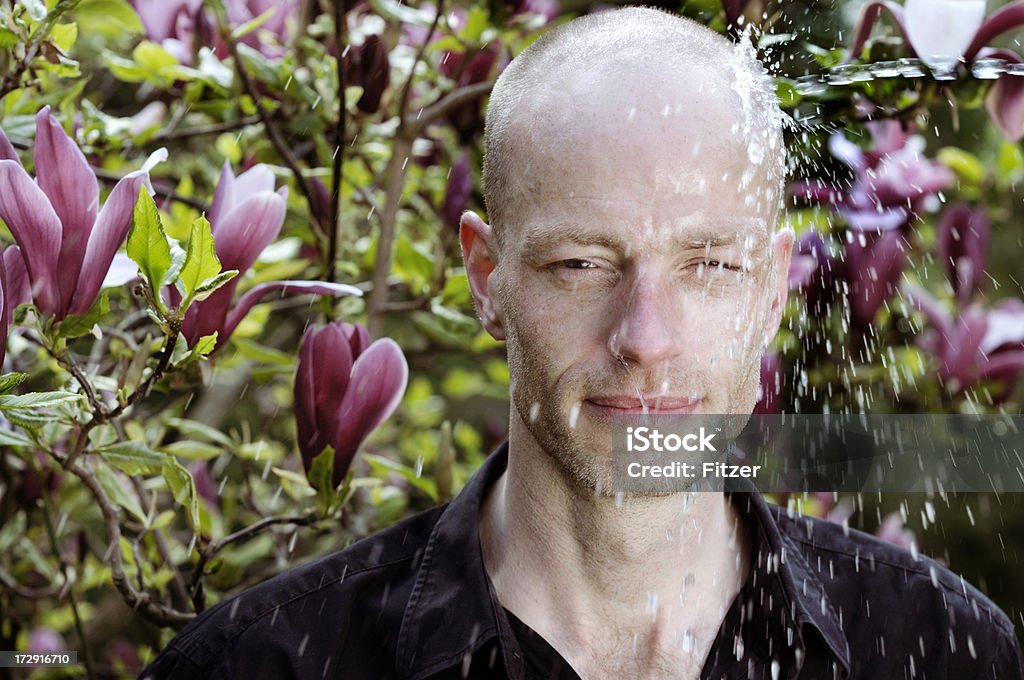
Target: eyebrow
x,y
541,236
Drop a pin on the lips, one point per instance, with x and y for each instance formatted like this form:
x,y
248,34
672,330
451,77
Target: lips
x,y
655,404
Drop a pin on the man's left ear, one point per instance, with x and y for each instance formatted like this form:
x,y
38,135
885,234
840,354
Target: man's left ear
x,y
781,252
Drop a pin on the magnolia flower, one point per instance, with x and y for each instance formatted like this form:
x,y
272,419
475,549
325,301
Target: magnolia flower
x,y
66,243
175,23
962,244
245,217
874,265
948,33
345,387
172,23
814,272
975,344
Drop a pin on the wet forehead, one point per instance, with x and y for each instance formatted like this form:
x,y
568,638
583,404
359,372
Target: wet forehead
x,y
627,238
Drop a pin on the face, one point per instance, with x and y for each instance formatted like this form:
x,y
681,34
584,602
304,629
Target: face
x,y
641,269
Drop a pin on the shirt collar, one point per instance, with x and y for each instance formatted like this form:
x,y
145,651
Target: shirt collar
x,y
452,578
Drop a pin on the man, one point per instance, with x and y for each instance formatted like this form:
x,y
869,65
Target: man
x,y
633,179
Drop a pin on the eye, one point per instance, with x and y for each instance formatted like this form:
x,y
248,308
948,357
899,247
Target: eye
x,y
577,264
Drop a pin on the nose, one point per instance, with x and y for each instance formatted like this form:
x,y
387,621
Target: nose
x,y
648,331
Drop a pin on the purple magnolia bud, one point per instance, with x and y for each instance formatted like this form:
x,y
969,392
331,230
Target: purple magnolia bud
x,y
963,234
1005,99
874,266
372,72
245,216
345,387
460,188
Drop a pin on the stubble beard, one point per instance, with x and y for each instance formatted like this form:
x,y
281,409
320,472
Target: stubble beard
x,y
583,452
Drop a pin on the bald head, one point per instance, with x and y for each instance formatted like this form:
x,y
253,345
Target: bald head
x,y
623,84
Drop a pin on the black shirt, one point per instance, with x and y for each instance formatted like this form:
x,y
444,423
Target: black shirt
x,y
414,601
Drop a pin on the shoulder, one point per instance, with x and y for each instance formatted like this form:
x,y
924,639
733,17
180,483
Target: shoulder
x,y
893,601
281,616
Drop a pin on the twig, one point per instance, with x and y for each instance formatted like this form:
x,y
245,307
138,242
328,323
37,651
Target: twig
x,y
114,178
101,416
203,130
339,144
273,132
9,583
12,79
400,150
138,600
448,103
178,582
211,550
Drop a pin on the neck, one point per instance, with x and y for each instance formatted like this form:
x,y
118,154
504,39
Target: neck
x,y
568,562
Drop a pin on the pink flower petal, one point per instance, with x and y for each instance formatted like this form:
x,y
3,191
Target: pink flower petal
x,y
111,230
1005,105
258,293
379,377
18,291
67,180
247,229
1005,19
7,150
310,441
868,16
223,197
36,227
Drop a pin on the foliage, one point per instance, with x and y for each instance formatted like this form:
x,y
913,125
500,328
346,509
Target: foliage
x,y
150,454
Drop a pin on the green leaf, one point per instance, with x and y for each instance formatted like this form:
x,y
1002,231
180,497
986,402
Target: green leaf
x,y
8,381
965,164
63,36
177,262
257,352
12,530
12,438
109,16
201,262
147,243
252,24
36,400
77,325
192,450
404,14
382,467
205,345
197,430
8,38
294,484
114,488
36,9
210,286
321,474
134,458
475,24
183,487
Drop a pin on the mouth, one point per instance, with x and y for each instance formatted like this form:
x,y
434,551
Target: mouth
x,y
611,405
